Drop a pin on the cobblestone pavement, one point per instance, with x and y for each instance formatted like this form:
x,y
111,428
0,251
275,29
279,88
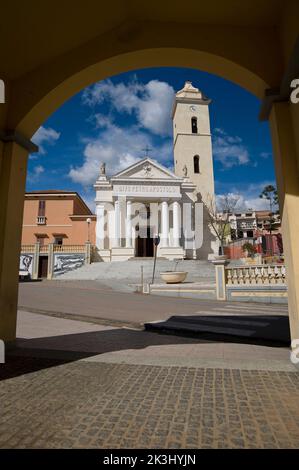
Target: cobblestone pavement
x,y
51,404
79,385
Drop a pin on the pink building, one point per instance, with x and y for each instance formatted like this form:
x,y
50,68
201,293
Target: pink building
x,y
59,217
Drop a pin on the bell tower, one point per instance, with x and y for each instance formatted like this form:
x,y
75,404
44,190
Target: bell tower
x,y
192,139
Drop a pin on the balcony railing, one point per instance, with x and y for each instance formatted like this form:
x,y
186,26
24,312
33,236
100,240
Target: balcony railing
x,y
56,248
41,220
27,248
69,248
247,225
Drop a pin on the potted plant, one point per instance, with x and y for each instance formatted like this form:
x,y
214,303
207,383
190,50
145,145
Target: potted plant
x,y
249,250
174,276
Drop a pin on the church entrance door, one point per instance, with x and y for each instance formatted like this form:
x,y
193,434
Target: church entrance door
x,y
144,246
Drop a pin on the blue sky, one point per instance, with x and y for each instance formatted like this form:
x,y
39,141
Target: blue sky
x,y
115,119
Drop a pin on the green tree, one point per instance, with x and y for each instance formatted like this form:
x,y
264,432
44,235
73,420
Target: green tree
x,y
250,248
270,194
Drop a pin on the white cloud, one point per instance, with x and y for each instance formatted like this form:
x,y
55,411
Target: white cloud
x,y
254,203
229,150
265,154
45,136
249,196
119,148
246,203
219,130
150,103
33,176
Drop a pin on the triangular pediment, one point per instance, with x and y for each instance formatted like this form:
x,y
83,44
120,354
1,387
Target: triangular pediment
x,y
146,169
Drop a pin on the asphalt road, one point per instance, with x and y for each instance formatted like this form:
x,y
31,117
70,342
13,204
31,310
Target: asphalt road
x,y
91,299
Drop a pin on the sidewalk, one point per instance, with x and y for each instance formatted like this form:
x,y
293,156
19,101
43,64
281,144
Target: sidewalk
x,y
71,384
45,336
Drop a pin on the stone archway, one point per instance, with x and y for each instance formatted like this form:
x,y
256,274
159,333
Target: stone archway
x,y
253,52
33,114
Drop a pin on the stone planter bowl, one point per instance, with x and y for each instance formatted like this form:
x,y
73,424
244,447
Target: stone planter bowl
x,y
220,257
174,277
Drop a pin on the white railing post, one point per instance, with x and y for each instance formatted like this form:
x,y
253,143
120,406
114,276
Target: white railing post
x,y
220,278
35,261
50,260
87,253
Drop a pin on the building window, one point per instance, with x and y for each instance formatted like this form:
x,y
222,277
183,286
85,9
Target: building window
x,y
41,219
194,125
41,208
40,239
58,241
196,164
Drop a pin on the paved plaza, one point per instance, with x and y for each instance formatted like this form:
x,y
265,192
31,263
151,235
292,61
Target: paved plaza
x,y
76,384
79,405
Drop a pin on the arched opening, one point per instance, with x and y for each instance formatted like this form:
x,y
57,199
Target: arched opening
x,y
49,101
146,170
194,129
196,167
45,94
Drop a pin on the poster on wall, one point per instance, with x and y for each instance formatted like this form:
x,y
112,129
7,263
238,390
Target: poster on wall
x,y
69,262
26,263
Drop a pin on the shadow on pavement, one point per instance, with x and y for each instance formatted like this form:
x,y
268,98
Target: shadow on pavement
x,y
34,354
264,330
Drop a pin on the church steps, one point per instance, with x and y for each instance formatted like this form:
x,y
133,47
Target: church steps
x,y
130,272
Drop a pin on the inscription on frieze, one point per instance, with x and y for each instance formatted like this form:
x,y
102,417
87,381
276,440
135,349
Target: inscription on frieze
x,y
132,188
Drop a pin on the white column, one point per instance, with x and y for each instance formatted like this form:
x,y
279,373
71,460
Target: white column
x,y
100,226
129,225
116,224
176,224
165,224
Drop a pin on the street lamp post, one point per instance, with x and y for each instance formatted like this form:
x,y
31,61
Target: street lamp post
x,y
88,220
156,243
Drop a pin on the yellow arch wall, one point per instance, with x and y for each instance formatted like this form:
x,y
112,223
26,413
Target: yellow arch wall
x,y
229,53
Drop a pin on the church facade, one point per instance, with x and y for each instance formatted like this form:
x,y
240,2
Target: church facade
x,y
147,201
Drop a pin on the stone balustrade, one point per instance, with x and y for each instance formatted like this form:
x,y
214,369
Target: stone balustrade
x,y
56,248
27,248
256,275
68,248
